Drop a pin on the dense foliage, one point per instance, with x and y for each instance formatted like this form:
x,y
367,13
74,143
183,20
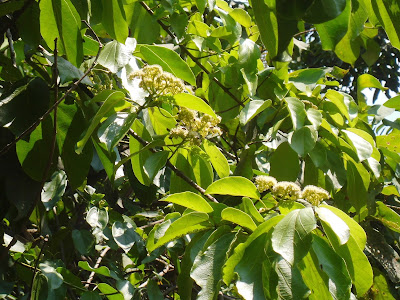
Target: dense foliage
x,y
194,149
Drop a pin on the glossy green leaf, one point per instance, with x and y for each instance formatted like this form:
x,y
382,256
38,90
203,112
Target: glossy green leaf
x,y
234,186
10,6
239,217
390,142
387,216
69,277
143,26
367,81
285,164
207,268
201,167
297,112
60,20
241,16
292,236
161,120
83,241
252,109
303,140
153,291
54,189
334,266
114,20
192,102
380,288
290,283
315,117
190,200
321,11
357,263
54,279
336,224
305,80
251,210
68,72
217,159
90,296
388,14
113,102
104,271
358,180
189,223
169,60
39,287
124,235
363,147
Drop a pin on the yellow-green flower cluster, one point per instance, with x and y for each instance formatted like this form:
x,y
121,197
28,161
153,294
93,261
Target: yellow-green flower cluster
x,y
314,195
194,128
287,190
265,183
157,82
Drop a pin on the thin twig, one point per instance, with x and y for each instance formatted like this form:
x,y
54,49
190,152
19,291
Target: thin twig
x,y
175,169
97,264
35,268
305,31
69,91
11,44
152,224
187,52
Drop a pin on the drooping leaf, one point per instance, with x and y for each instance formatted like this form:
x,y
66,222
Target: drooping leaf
x,y
337,225
112,294
252,109
217,159
169,60
334,266
124,235
358,180
322,11
60,20
154,163
114,20
303,140
292,235
115,55
251,210
83,241
234,186
297,112
190,200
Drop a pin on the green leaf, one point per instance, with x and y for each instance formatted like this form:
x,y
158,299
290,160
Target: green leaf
x,y
39,287
190,200
251,210
189,223
252,109
54,279
10,6
34,154
367,81
235,258
115,128
344,103
306,80
234,186
195,103
54,189
239,217
390,141
321,11
201,167
217,159
363,147
315,117
153,291
90,296
387,216
68,72
28,24
104,271
70,278
388,14
70,125
290,284
334,266
336,224
303,140
358,180
285,164
241,16
297,112
154,163
352,252
115,55
161,120
169,60
380,290
113,102
314,276
291,237
83,241
114,21
207,268
110,292
249,269
124,235
60,20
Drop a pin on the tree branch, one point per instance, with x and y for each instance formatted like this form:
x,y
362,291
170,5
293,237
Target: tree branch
x,y
97,264
175,169
195,59
71,89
